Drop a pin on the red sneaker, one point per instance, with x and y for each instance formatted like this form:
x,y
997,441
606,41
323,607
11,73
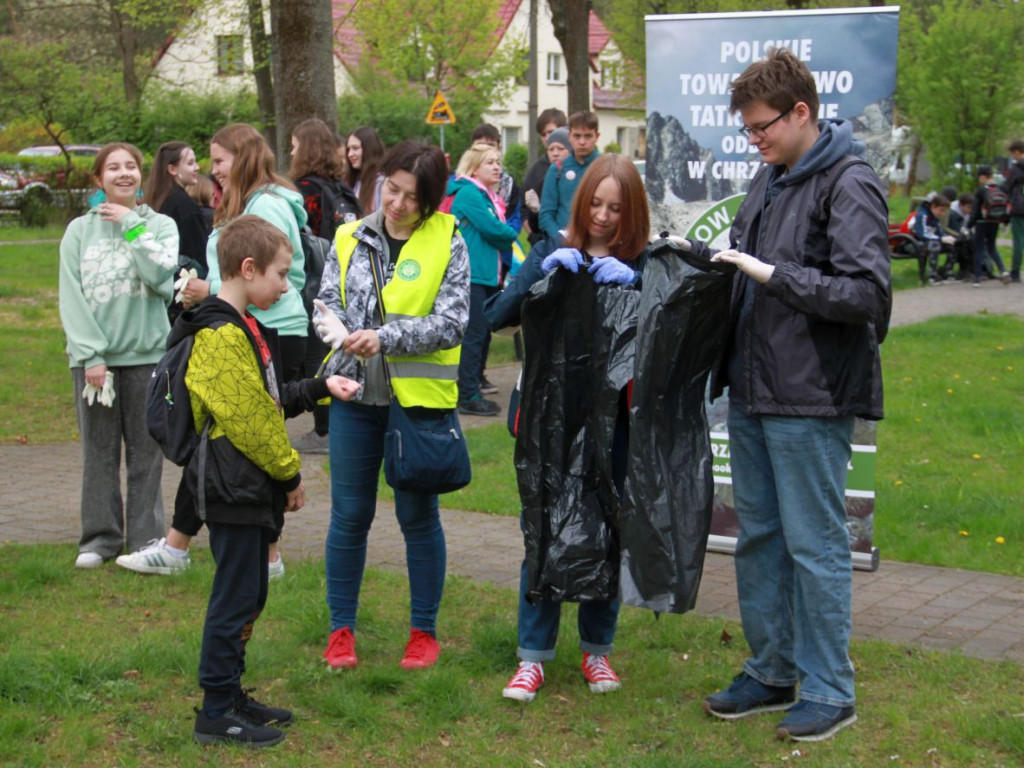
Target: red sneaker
x,y
421,651
525,682
341,649
599,674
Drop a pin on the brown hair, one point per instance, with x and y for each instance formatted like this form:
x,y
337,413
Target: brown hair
x,y
253,167
630,238
485,132
550,115
202,191
246,237
107,150
160,183
583,119
373,154
430,167
780,80
317,154
474,157
1016,146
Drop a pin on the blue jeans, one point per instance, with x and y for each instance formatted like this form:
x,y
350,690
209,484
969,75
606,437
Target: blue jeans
x,y
793,567
538,625
356,452
985,234
475,342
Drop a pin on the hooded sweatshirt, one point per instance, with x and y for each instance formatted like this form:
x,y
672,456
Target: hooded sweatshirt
x,y
115,283
283,208
485,233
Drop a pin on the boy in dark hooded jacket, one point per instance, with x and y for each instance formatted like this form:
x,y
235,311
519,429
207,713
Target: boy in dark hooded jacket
x,y
246,476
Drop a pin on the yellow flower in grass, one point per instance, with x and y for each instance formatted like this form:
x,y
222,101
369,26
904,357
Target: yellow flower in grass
x,y
963,533
956,375
975,456
999,347
898,482
949,391
1009,368
1000,540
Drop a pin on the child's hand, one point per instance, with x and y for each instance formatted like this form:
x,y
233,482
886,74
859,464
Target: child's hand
x,y
296,499
342,388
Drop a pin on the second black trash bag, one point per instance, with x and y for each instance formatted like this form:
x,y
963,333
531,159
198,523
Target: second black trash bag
x,y
579,345
683,319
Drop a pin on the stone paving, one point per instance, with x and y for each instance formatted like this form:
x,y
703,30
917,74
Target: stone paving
x,y
979,614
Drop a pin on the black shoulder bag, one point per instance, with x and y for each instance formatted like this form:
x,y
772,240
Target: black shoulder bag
x,y
424,448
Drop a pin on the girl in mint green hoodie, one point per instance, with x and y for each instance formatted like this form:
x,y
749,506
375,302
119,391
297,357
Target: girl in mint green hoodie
x,y
243,165
116,271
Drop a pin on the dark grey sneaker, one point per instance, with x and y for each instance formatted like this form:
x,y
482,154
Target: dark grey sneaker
x,y
747,696
236,726
811,721
311,442
487,388
479,406
262,713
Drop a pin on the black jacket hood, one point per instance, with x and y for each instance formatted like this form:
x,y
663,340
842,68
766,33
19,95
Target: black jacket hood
x,y
211,311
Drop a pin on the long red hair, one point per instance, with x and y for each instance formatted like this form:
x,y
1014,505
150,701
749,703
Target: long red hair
x,y
630,238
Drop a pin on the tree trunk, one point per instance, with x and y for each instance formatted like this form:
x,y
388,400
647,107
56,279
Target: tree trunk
x,y
571,21
303,45
124,35
260,43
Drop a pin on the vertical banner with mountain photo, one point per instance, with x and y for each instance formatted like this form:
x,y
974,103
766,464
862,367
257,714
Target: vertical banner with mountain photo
x,y
699,166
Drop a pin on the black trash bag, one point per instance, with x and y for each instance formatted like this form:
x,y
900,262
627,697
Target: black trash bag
x,y
666,508
579,342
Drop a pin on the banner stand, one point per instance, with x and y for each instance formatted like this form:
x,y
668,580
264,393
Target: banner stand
x,y
862,561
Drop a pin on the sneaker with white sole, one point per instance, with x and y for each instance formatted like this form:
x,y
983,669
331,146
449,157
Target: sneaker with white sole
x,y
155,558
236,726
599,674
275,568
525,682
813,721
88,560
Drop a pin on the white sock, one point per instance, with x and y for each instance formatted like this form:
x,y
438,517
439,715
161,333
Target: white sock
x,y
175,551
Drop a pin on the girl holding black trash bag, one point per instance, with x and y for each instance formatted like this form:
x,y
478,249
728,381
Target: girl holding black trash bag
x,y
413,257
607,236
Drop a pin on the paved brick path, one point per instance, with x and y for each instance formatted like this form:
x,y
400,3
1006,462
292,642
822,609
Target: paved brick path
x,y
981,614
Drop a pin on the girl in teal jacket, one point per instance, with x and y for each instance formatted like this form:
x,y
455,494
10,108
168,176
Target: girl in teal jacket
x,y
481,216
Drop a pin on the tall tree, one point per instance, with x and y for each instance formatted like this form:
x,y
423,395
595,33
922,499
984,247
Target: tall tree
x,y
303,46
259,41
571,22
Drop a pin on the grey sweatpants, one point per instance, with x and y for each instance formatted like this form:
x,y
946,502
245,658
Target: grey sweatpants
x,y
104,516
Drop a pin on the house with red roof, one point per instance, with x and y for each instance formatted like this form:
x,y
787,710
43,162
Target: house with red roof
x,y
212,52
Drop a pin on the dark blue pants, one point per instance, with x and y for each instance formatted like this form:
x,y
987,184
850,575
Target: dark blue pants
x,y
237,598
985,248
475,342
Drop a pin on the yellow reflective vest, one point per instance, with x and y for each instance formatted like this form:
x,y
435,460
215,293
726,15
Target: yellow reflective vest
x,y
429,380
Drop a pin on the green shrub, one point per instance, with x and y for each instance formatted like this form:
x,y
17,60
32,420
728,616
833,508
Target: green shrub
x,y
516,158
613,146
168,115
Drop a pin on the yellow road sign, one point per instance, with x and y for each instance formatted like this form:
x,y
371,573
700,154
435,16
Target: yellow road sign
x,y
440,113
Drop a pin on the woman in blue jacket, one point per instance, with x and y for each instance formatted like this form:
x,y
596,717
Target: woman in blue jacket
x,y
481,216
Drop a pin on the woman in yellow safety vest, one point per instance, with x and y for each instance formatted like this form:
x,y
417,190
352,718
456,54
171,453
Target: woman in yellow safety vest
x,y
425,268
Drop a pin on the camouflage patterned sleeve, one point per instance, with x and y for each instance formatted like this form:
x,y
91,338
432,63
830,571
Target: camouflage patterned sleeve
x,y
330,294
444,327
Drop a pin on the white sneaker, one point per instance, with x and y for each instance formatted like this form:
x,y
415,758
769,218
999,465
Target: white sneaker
x,y
155,558
88,560
275,569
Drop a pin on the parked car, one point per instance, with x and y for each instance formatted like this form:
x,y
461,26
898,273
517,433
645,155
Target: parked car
x,y
52,150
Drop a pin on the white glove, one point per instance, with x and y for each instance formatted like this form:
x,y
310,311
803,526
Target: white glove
x,y
748,264
328,327
531,200
682,242
105,395
948,240
179,285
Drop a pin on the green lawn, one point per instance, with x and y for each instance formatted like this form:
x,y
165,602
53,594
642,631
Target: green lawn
x,y
98,668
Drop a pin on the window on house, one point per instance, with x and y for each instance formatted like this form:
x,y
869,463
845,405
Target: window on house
x,y
509,136
555,68
611,75
230,55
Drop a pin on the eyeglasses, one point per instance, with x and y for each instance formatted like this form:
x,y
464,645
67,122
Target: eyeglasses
x,y
760,133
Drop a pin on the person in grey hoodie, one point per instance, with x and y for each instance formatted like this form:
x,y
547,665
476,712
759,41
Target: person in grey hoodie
x,y
811,303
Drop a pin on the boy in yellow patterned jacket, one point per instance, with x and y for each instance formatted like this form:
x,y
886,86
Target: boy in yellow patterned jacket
x,y
250,473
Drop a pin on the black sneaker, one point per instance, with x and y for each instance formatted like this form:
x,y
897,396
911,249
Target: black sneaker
x,y
747,696
811,721
236,726
478,406
486,387
260,712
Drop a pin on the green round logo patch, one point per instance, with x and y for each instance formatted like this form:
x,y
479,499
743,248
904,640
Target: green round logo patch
x,y
409,269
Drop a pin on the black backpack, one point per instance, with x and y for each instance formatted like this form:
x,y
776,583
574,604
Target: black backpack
x,y
169,406
315,249
338,205
995,204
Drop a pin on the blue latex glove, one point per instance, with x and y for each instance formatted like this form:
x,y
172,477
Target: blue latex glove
x,y
612,271
566,258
